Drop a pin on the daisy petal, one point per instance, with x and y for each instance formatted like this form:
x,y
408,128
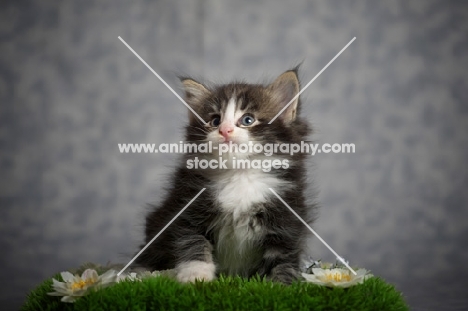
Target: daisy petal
x,y
68,299
59,286
55,294
110,276
89,274
67,276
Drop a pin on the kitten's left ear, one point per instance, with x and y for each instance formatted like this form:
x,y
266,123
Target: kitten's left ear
x,y
194,92
283,90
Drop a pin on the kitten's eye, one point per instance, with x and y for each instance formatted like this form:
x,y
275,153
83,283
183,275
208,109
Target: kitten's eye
x,y
247,120
215,121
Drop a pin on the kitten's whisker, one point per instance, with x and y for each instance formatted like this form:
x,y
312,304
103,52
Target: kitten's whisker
x,y
199,128
200,134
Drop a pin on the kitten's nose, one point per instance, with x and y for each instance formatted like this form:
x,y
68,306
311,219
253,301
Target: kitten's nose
x,y
226,130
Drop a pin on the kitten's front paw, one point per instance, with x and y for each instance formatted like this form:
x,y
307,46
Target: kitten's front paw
x,y
195,270
286,275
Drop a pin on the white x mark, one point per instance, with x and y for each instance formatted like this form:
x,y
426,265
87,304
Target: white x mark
x,y
316,76
154,72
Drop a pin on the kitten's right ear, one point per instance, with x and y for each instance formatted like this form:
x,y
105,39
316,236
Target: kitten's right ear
x,y
194,92
283,90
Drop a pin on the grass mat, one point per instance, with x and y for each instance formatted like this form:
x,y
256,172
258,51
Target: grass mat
x,y
225,293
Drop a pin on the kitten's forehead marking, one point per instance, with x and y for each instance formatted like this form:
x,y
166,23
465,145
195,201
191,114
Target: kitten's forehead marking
x,y
230,110
231,113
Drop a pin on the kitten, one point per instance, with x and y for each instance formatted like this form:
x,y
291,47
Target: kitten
x,y
236,226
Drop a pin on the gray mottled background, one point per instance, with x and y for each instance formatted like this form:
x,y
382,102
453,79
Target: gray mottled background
x,y
70,91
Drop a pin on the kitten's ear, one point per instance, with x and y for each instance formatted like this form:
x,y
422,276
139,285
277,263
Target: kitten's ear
x,y
283,90
194,92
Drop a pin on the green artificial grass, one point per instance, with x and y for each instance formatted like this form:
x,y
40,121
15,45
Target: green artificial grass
x,y
225,293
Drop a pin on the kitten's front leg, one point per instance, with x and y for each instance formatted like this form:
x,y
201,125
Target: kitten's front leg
x,y
195,259
280,261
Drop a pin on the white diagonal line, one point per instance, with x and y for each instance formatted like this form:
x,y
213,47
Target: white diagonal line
x,y
315,233
167,85
316,76
162,230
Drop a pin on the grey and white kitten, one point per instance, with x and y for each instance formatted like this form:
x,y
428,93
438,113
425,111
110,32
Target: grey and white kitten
x,y
236,226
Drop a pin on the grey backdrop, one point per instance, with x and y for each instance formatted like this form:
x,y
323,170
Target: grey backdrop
x,y
71,91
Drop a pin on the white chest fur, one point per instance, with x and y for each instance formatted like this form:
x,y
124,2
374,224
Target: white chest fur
x,y
239,190
240,194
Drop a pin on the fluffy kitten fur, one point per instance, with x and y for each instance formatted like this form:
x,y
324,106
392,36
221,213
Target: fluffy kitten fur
x,y
236,226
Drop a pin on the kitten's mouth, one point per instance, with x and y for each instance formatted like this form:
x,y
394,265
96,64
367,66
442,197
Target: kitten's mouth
x,y
227,140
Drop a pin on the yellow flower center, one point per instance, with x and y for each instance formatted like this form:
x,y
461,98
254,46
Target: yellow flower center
x,y
81,284
338,277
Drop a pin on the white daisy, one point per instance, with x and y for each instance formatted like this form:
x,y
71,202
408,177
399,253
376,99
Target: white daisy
x,y
337,277
75,286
